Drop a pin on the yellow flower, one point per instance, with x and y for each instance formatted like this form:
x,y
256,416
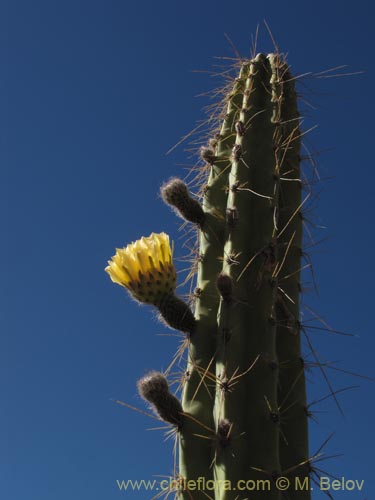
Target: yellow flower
x,y
145,268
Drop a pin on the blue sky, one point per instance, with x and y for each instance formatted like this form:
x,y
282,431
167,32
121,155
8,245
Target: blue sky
x,y
93,94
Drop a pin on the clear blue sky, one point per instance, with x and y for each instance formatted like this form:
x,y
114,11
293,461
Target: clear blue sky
x,y
93,94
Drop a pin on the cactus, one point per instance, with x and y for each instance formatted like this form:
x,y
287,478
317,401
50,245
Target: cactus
x,y
243,417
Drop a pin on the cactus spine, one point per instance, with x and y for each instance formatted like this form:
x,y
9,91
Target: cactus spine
x,y
243,415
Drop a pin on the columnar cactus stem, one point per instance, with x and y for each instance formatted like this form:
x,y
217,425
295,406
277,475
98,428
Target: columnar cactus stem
x,y
243,415
294,451
253,196
196,454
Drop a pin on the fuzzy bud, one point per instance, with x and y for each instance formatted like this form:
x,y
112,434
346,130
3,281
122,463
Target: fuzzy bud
x,y
224,285
154,388
208,155
232,217
224,429
175,193
177,314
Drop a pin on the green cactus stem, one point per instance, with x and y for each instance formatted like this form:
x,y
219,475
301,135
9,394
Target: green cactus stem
x,y
294,451
253,195
243,416
197,454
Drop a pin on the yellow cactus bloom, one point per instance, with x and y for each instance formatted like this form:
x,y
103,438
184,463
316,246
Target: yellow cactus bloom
x,y
145,268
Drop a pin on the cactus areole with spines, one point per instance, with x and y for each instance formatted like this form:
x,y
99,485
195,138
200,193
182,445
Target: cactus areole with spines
x,y
242,421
